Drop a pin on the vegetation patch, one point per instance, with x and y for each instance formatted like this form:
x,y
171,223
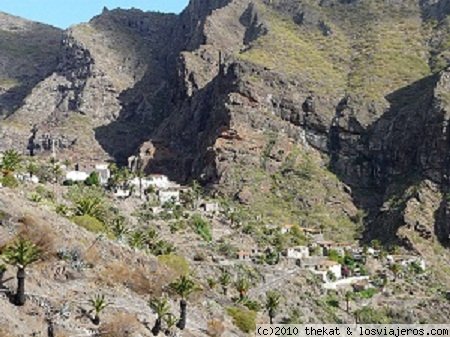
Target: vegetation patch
x,y
243,318
178,264
90,223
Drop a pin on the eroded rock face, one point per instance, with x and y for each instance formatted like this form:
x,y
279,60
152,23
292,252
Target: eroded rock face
x,y
180,90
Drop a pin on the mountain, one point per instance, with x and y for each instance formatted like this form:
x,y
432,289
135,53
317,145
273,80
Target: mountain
x,y
327,113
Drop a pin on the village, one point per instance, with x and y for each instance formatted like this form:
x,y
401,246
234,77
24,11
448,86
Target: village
x,y
338,265
211,236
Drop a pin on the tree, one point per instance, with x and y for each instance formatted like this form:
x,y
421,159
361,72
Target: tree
x,y
21,254
93,179
3,269
348,297
98,304
55,169
183,286
140,174
10,162
395,269
92,206
119,227
273,299
32,168
331,276
235,217
225,280
160,306
197,191
119,176
171,321
242,285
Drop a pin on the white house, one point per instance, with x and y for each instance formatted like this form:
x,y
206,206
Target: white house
x,y
298,252
103,173
158,181
77,176
406,260
322,266
122,192
27,178
327,267
210,207
168,195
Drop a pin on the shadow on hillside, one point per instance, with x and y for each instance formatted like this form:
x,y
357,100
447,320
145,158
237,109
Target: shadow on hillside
x,y
389,160
158,110
29,51
180,140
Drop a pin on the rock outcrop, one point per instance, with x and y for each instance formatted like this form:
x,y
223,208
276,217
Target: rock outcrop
x,y
360,84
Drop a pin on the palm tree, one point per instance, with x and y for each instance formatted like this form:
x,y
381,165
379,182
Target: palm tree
x,y
10,162
98,304
160,306
3,269
197,189
171,321
137,240
183,286
395,269
92,206
242,285
56,170
32,168
119,227
273,299
225,280
21,254
235,217
139,173
348,297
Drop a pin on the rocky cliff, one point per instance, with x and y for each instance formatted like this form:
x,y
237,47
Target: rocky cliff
x,y
296,109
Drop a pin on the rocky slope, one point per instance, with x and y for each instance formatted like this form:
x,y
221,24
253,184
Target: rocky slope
x,y
29,54
297,109
330,114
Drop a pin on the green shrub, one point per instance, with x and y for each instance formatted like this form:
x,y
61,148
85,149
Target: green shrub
x,y
176,226
9,181
93,179
202,227
332,301
333,255
243,318
90,206
44,193
251,304
367,293
90,223
161,247
62,209
369,315
35,197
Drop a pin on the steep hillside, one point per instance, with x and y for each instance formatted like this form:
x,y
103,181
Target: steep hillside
x,y
29,53
331,115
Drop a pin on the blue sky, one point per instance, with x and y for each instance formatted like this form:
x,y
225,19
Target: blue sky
x,y
63,13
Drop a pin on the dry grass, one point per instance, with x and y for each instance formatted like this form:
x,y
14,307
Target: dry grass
x,y
121,325
215,328
92,256
38,233
136,278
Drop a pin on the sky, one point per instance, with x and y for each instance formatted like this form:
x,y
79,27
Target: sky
x,y
64,13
